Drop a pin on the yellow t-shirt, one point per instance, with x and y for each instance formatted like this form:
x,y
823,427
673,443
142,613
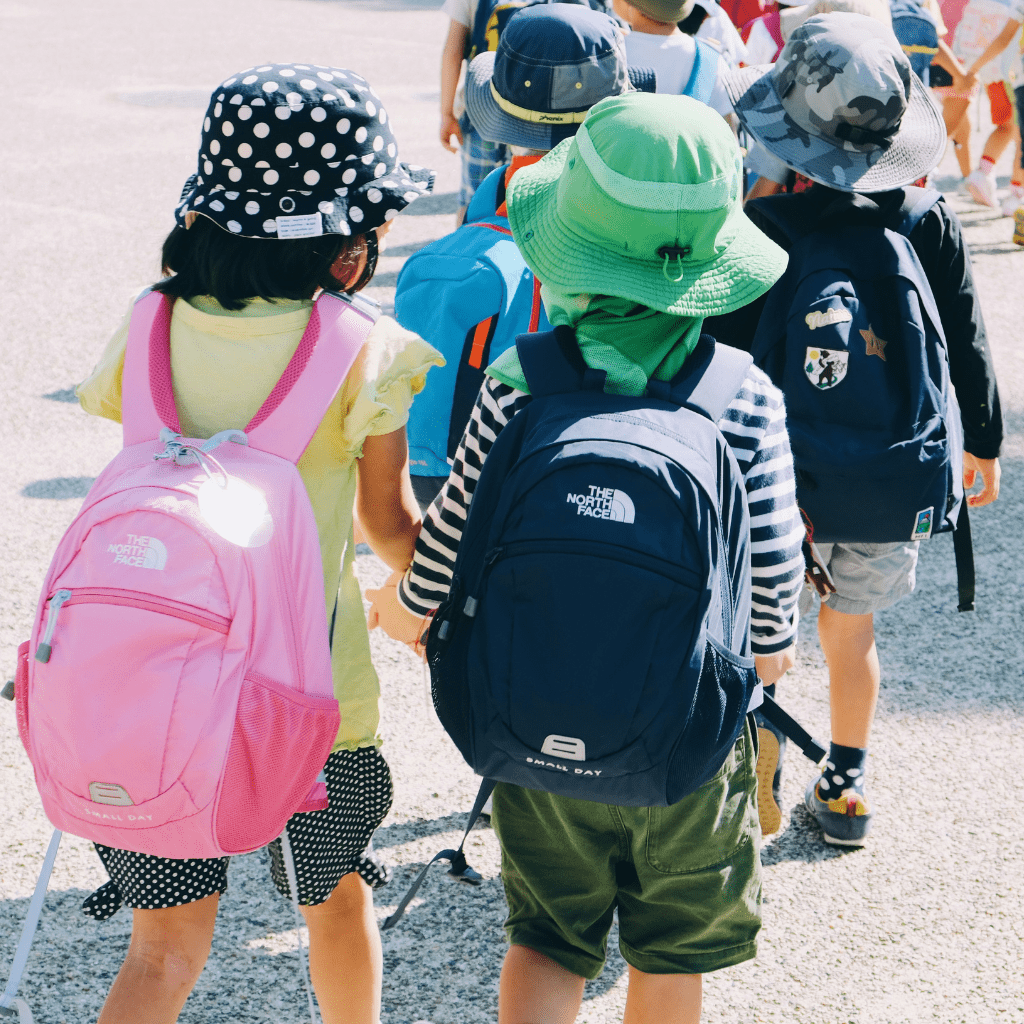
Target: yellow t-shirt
x,y
224,366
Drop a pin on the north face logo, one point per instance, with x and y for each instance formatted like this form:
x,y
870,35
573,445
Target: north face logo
x,y
142,552
604,503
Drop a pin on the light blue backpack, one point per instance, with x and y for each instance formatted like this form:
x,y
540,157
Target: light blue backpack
x,y
469,294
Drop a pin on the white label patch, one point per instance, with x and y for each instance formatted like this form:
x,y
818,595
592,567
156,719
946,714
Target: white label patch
x,y
826,367
309,225
923,526
822,318
604,503
140,552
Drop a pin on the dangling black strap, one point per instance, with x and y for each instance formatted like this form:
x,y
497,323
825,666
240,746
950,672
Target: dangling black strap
x,y
791,728
459,868
963,551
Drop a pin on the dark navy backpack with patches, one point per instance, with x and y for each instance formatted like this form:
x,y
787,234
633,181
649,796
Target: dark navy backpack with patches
x,y
594,643
851,335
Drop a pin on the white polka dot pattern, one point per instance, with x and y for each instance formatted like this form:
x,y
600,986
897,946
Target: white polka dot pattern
x,y
326,845
298,147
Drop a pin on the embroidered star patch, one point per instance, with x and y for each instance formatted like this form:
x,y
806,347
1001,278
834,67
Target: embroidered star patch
x,y
875,344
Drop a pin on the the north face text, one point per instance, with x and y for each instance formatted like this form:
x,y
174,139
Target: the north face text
x,y
142,552
604,503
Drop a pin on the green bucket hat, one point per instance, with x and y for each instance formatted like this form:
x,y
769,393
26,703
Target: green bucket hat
x,y
644,203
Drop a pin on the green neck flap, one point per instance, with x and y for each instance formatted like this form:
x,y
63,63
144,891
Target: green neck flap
x,y
630,343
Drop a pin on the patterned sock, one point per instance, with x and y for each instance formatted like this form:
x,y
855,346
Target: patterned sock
x,y
844,769
987,165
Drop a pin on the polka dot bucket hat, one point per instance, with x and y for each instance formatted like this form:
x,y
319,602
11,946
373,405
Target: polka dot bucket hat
x,y
298,150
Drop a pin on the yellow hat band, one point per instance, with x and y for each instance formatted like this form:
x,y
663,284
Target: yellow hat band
x,y
536,116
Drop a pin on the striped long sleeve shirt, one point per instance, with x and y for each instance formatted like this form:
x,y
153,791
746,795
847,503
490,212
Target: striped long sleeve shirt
x,y
754,425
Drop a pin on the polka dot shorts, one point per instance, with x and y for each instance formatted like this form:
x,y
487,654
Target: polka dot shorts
x,y
326,845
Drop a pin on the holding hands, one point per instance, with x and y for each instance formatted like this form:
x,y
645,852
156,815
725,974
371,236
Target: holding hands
x,y
400,624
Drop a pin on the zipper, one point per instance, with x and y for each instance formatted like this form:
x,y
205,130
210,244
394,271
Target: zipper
x,y
127,599
57,602
600,549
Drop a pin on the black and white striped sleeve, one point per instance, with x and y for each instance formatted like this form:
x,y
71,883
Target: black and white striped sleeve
x,y
755,427
429,577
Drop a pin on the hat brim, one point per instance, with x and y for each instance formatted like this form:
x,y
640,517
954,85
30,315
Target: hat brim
x,y
496,125
915,150
373,199
745,269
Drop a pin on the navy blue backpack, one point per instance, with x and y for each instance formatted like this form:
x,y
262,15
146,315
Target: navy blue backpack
x,y
851,335
595,640
594,643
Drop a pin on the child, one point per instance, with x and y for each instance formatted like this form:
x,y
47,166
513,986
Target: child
x,y
479,157
298,178
543,52
684,66
651,172
861,182
983,33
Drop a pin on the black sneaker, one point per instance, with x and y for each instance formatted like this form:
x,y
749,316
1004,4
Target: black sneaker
x,y
771,745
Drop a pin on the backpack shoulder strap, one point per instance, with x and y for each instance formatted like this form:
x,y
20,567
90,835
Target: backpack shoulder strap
x,y
147,389
917,203
553,364
288,419
776,210
710,379
704,74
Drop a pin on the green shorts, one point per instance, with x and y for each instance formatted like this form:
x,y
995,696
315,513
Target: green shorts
x,y
685,879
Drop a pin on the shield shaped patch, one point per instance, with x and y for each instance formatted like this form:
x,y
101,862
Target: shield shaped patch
x,y
826,367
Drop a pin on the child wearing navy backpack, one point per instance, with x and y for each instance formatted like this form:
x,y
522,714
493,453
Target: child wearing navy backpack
x,y
862,130
298,179
635,229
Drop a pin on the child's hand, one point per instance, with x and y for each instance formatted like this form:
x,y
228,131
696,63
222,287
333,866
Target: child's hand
x,y
387,612
450,127
989,472
772,667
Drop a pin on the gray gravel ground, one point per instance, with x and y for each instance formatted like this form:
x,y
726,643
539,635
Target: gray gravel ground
x,y
101,114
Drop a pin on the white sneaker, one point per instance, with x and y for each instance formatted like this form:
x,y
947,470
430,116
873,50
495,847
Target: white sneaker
x,y
982,187
1011,204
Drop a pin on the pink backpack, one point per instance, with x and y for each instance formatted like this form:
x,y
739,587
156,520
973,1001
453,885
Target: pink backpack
x,y
176,697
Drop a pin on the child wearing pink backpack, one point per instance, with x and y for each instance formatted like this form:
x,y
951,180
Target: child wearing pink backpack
x,y
298,178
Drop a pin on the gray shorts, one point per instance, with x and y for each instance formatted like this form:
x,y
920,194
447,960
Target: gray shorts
x,y
870,577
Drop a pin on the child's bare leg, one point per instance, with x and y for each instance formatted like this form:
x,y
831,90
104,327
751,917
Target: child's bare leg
x,y
166,955
958,128
1002,135
848,642
345,957
662,998
536,990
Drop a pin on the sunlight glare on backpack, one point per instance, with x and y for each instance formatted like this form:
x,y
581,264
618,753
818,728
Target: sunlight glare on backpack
x,y
237,511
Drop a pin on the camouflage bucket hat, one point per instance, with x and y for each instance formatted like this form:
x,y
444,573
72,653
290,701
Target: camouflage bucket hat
x,y
842,106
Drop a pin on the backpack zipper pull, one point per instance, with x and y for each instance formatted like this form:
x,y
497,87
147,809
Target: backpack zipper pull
x,y
56,603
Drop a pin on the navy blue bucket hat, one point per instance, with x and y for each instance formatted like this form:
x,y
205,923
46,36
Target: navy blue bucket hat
x,y
553,63
296,151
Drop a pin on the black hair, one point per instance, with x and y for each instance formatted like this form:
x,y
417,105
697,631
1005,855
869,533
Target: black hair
x,y
693,20
207,260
